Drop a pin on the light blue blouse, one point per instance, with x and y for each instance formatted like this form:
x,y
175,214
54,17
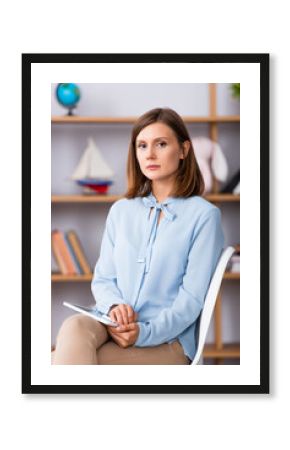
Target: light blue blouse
x,y
162,271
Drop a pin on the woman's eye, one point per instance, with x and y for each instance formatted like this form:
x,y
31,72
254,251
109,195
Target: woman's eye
x,y
143,146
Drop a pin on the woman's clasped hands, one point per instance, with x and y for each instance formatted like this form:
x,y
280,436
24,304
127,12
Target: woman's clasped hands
x,y
127,332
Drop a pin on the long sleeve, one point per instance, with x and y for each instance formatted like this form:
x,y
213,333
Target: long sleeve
x,y
104,284
206,246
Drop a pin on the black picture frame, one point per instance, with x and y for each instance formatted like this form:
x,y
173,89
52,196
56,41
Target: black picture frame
x,y
260,59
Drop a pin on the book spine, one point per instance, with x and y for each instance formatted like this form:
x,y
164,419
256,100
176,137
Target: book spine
x,y
73,255
59,236
57,253
77,248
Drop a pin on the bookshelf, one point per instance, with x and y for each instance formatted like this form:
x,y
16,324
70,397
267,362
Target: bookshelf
x,y
218,351
131,120
216,198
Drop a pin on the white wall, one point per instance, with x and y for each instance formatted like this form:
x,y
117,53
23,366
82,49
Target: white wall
x,y
69,141
218,421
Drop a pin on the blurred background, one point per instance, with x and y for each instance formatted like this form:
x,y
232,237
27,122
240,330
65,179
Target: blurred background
x,y
104,113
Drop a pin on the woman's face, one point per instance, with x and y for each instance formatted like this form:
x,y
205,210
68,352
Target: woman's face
x,y
157,145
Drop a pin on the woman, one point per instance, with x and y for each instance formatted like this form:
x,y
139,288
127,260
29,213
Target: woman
x,y
159,250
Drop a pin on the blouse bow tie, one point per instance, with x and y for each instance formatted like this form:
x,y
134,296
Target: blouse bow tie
x,y
151,202
146,248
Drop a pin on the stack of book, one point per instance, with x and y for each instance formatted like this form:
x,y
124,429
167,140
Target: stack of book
x,y
68,253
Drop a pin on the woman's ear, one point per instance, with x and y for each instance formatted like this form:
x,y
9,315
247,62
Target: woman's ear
x,y
185,149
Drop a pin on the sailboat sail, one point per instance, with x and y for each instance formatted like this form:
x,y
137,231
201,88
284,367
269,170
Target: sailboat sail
x,y
92,165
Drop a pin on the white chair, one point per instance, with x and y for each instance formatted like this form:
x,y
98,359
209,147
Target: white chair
x,y
209,303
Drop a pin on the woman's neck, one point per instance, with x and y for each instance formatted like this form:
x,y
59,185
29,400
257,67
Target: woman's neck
x,y
161,195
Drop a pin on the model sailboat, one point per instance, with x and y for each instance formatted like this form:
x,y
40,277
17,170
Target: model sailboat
x,y
92,171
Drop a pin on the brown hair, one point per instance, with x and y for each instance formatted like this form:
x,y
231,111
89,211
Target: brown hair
x,y
189,179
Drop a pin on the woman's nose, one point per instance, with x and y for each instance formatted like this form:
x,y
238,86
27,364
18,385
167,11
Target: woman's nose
x,y
150,152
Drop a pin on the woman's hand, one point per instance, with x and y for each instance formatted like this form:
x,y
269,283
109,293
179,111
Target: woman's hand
x,y
124,335
127,332
123,314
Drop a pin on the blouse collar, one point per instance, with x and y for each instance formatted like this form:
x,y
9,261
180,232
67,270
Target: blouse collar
x,y
151,202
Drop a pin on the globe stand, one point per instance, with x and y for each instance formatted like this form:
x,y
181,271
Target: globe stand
x,y
70,111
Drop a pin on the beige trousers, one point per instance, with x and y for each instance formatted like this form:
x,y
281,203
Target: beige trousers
x,y
83,340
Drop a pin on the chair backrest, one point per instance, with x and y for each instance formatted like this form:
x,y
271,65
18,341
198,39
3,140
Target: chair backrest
x,y
210,300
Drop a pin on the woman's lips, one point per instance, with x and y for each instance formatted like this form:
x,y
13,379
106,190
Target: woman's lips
x,y
152,167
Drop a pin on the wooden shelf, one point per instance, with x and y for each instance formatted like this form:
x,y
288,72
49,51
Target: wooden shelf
x,y
231,276
215,198
221,198
132,119
58,277
85,198
227,351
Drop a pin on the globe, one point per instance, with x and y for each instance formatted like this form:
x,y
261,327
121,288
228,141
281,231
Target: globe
x,y
68,95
